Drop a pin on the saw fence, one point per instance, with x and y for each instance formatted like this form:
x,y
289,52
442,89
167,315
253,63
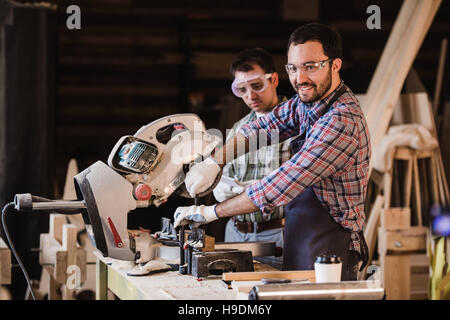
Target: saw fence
x,y
399,199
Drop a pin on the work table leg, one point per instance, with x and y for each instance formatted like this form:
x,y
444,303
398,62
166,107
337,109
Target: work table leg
x,y
101,281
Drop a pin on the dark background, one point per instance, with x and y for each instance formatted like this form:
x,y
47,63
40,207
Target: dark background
x,y
134,61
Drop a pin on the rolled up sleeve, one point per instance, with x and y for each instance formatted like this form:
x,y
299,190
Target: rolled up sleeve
x,y
330,147
276,126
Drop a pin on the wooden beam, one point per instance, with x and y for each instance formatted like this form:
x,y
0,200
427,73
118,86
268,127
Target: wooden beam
x,y
396,277
70,246
5,263
370,231
402,242
396,218
252,276
407,35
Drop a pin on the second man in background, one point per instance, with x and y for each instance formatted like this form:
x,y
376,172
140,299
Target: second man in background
x,y
255,82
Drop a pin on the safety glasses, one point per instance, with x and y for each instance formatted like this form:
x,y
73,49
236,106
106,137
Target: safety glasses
x,y
243,85
308,67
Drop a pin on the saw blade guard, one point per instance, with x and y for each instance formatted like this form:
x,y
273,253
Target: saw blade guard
x,y
108,198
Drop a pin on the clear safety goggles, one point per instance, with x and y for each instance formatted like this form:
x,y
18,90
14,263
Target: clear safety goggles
x,y
308,67
256,83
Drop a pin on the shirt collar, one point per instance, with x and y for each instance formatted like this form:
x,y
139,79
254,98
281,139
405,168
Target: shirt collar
x,y
316,109
253,115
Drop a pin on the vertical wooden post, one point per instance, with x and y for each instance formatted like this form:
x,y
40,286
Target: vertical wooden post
x,y
56,226
70,245
397,280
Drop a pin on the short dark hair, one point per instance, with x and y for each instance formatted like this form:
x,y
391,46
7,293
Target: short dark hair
x,y
244,60
329,38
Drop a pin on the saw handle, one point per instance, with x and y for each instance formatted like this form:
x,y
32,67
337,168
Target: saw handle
x,y
28,202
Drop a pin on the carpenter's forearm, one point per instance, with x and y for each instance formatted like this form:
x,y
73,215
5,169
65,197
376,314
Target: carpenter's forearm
x,y
240,204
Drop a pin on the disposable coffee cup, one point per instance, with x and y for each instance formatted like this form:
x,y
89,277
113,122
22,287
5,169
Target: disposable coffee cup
x,y
328,268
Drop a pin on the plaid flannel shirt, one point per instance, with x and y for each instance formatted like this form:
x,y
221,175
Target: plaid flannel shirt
x,y
255,165
334,159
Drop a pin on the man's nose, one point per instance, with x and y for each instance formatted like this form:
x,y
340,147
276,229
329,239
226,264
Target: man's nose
x,y
301,76
251,95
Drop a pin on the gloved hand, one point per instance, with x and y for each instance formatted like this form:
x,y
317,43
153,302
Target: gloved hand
x,y
224,191
194,215
201,176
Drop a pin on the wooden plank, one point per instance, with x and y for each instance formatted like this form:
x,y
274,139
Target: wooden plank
x,y
5,263
70,246
252,276
408,184
434,179
420,270
401,242
396,277
439,76
54,287
396,218
370,231
101,280
123,288
387,189
56,226
244,286
61,266
48,246
417,191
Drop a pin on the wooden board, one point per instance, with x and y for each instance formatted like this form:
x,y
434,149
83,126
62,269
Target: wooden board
x,y
396,218
408,241
255,276
5,263
396,280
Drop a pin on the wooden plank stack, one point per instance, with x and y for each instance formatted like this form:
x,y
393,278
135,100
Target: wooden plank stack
x,y
62,258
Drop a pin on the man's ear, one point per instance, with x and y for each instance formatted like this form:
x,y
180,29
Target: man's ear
x,y
337,64
275,79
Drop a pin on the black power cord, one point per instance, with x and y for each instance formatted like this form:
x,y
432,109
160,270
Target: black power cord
x,y
12,205
5,209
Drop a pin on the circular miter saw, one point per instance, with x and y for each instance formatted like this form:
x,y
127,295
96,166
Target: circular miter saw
x,y
142,170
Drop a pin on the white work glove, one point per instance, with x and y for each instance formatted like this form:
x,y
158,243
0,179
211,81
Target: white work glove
x,y
194,215
201,176
224,191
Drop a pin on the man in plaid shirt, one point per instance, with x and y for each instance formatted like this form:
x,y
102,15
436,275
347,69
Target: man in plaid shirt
x,y
248,68
323,185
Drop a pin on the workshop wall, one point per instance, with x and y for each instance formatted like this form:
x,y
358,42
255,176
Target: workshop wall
x,y
135,61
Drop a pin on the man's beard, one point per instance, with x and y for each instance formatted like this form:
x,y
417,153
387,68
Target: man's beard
x,y
318,90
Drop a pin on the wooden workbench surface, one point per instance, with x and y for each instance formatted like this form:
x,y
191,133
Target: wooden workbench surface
x,y
168,285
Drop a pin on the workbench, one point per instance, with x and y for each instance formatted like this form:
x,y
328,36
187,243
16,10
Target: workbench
x,y
111,274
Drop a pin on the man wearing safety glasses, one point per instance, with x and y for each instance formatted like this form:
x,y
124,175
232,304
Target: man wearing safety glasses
x,y
255,82
323,184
